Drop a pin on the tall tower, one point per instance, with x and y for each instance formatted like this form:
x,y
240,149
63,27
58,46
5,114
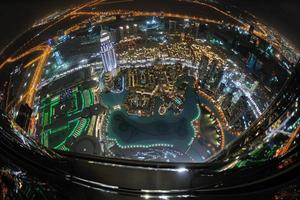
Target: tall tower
x,y
107,52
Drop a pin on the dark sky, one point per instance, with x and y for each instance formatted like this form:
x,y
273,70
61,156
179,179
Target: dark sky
x,y
283,15
17,15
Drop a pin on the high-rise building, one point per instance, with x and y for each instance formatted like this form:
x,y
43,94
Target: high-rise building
x,y
23,117
127,28
237,110
227,101
254,86
135,29
121,30
251,62
220,89
3,94
197,25
58,58
114,35
212,69
172,26
202,68
217,80
2,100
108,53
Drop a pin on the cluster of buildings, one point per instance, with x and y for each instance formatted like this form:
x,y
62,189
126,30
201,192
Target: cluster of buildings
x,y
147,71
210,73
181,51
158,67
234,111
148,86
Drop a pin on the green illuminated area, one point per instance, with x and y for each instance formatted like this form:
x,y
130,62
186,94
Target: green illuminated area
x,y
62,119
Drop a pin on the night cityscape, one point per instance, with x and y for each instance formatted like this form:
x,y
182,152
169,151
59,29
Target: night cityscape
x,y
139,99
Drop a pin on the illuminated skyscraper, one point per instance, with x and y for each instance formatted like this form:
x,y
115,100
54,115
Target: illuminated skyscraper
x,y
121,30
251,62
127,28
237,110
135,29
107,52
58,58
202,67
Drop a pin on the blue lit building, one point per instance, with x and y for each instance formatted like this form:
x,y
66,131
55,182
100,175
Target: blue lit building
x,y
107,52
251,62
58,58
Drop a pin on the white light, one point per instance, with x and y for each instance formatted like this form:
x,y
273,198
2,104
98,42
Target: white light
x,y
182,169
83,61
104,39
163,197
146,196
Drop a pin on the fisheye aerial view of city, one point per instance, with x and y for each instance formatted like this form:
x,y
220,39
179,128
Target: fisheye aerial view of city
x,y
139,99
